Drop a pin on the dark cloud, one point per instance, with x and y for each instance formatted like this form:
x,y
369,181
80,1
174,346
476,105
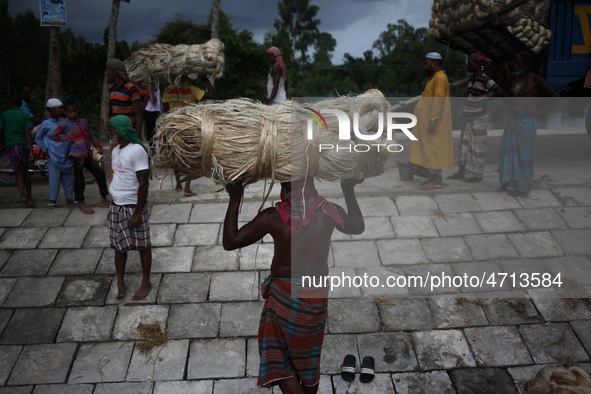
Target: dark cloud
x,y
354,24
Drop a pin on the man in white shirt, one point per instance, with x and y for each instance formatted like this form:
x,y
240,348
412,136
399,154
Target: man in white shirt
x,y
277,82
128,214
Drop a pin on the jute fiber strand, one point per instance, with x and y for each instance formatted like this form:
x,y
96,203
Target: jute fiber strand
x,y
167,62
528,20
246,140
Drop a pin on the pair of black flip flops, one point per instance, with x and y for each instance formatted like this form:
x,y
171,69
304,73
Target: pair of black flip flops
x,y
366,373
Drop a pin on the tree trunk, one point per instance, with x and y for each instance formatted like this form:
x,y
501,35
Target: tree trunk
x,y
111,45
53,87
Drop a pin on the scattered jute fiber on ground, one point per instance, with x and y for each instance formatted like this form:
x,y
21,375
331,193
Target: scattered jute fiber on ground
x,y
244,140
163,62
151,336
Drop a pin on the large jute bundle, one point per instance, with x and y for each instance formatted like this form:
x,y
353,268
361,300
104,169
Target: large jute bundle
x,y
527,20
168,62
245,140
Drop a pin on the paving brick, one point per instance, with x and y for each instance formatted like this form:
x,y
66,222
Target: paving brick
x,y
196,234
483,381
574,197
240,319
233,286
4,255
255,257
33,325
561,309
21,238
166,362
414,227
5,315
353,316
405,314
538,199
64,389
392,351
444,250
382,383
253,359
129,318
401,251
521,375
185,287
553,343
457,203
214,258
442,349
574,242
194,320
132,282
540,219
101,362
451,312
454,224
87,324
14,217
173,259
497,346
501,311
29,262
42,364
247,386
107,262
97,237
9,356
376,206
124,388
499,222
77,218
226,358
170,213
16,390
184,386
76,261
356,254
423,382
578,217
162,234
491,247
64,237
492,201
415,205
41,217
540,244
83,291
583,330
46,290
208,213
334,350
6,285
376,228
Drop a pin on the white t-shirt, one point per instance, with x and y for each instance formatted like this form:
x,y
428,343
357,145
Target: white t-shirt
x,y
125,163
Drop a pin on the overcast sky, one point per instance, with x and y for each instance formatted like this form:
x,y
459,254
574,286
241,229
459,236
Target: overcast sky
x,y
355,24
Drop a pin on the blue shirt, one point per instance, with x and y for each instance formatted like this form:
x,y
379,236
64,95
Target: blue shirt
x,y
58,151
25,107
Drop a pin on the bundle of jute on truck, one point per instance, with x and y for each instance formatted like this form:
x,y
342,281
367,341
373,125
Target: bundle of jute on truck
x,y
528,20
244,140
163,62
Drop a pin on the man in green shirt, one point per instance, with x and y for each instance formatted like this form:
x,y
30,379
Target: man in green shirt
x,y
15,136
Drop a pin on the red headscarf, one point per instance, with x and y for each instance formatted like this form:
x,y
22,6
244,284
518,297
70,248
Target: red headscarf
x,y
278,59
299,202
480,59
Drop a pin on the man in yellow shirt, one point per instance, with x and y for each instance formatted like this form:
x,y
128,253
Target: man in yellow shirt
x,y
433,150
181,95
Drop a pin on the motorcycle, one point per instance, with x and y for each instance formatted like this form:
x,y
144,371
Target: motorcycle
x,y
37,166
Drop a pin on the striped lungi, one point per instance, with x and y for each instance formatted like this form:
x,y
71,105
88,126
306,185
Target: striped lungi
x,y
122,237
473,146
291,333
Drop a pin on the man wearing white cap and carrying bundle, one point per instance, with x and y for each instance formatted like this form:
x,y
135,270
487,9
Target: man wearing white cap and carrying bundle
x,y
433,150
58,161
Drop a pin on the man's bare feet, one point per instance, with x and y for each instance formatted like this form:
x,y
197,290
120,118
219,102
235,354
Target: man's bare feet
x,y
105,203
178,188
29,203
121,290
142,292
189,193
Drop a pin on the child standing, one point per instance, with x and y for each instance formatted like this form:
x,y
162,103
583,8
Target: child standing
x,y
77,132
15,135
58,163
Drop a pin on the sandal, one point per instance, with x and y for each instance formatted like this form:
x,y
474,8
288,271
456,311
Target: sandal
x,y
86,210
368,370
348,368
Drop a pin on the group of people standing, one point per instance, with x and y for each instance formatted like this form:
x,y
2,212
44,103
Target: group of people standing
x,y
433,152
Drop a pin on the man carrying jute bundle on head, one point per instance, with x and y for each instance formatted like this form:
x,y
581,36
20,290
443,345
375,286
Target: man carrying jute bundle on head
x,y
291,331
277,83
128,214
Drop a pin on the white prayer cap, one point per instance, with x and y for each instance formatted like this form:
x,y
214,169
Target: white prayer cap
x,y
54,103
433,55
